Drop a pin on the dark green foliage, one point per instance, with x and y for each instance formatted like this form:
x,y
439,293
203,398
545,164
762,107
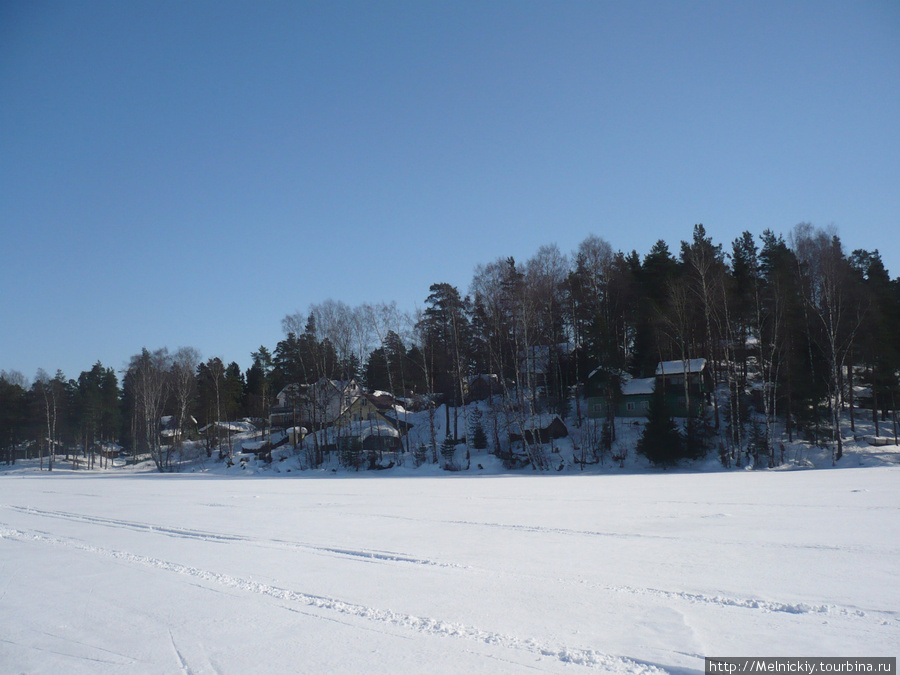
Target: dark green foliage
x,y
395,369
420,454
539,329
479,437
757,443
13,416
351,453
696,436
448,449
661,442
606,436
446,330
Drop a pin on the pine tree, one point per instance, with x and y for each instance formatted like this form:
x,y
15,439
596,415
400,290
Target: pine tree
x,y
448,449
661,442
479,437
757,443
351,453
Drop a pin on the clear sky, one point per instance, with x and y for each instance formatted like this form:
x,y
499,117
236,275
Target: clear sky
x,y
187,173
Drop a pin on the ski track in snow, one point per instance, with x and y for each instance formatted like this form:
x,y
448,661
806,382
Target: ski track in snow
x,y
390,557
181,662
422,625
748,603
184,533
540,529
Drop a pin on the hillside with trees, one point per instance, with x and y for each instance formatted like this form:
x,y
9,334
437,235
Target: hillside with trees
x,y
799,339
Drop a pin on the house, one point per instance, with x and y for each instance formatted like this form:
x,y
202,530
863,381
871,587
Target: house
x,y
378,407
286,410
370,436
538,429
636,395
169,431
313,405
108,449
638,392
368,406
633,402
671,375
482,387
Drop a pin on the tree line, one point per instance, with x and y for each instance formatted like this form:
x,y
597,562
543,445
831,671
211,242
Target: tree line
x,y
800,317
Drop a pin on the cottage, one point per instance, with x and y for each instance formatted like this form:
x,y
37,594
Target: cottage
x,y
313,405
482,387
369,435
671,377
633,402
538,429
637,393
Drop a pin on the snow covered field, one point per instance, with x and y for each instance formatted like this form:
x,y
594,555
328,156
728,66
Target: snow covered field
x,y
151,573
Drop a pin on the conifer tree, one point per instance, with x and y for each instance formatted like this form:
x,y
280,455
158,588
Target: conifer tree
x,y
479,437
661,441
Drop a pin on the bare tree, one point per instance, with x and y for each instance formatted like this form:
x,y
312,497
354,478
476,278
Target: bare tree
x,y
150,378
50,396
829,297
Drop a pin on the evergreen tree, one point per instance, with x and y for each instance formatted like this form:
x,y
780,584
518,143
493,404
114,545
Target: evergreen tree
x,y
661,442
757,443
448,449
479,437
13,415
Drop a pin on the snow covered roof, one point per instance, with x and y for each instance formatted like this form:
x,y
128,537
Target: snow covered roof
x,y
487,377
537,422
362,429
231,426
638,386
395,411
677,367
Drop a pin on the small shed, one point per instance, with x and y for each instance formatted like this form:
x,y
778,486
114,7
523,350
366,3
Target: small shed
x,y
539,429
482,387
372,435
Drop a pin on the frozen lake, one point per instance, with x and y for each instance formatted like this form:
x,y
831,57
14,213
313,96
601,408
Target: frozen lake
x,y
624,573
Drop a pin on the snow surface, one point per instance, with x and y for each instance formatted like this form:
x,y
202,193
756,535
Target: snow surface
x,y
310,572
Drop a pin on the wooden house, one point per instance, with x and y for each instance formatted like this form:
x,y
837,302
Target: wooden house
x,y
634,400
313,405
671,376
482,387
538,429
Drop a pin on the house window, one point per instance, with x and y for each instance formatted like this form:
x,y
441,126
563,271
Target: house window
x,y
629,406
645,405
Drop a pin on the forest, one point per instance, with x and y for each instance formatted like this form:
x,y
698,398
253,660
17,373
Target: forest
x,y
796,331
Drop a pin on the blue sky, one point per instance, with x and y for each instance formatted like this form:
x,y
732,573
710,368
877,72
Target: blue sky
x,y
187,173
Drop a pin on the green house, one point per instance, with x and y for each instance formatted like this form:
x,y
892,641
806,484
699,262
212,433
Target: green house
x,y
671,376
634,401
637,392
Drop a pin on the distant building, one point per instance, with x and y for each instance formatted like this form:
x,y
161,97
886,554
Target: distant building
x,y
633,402
314,405
638,392
671,376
